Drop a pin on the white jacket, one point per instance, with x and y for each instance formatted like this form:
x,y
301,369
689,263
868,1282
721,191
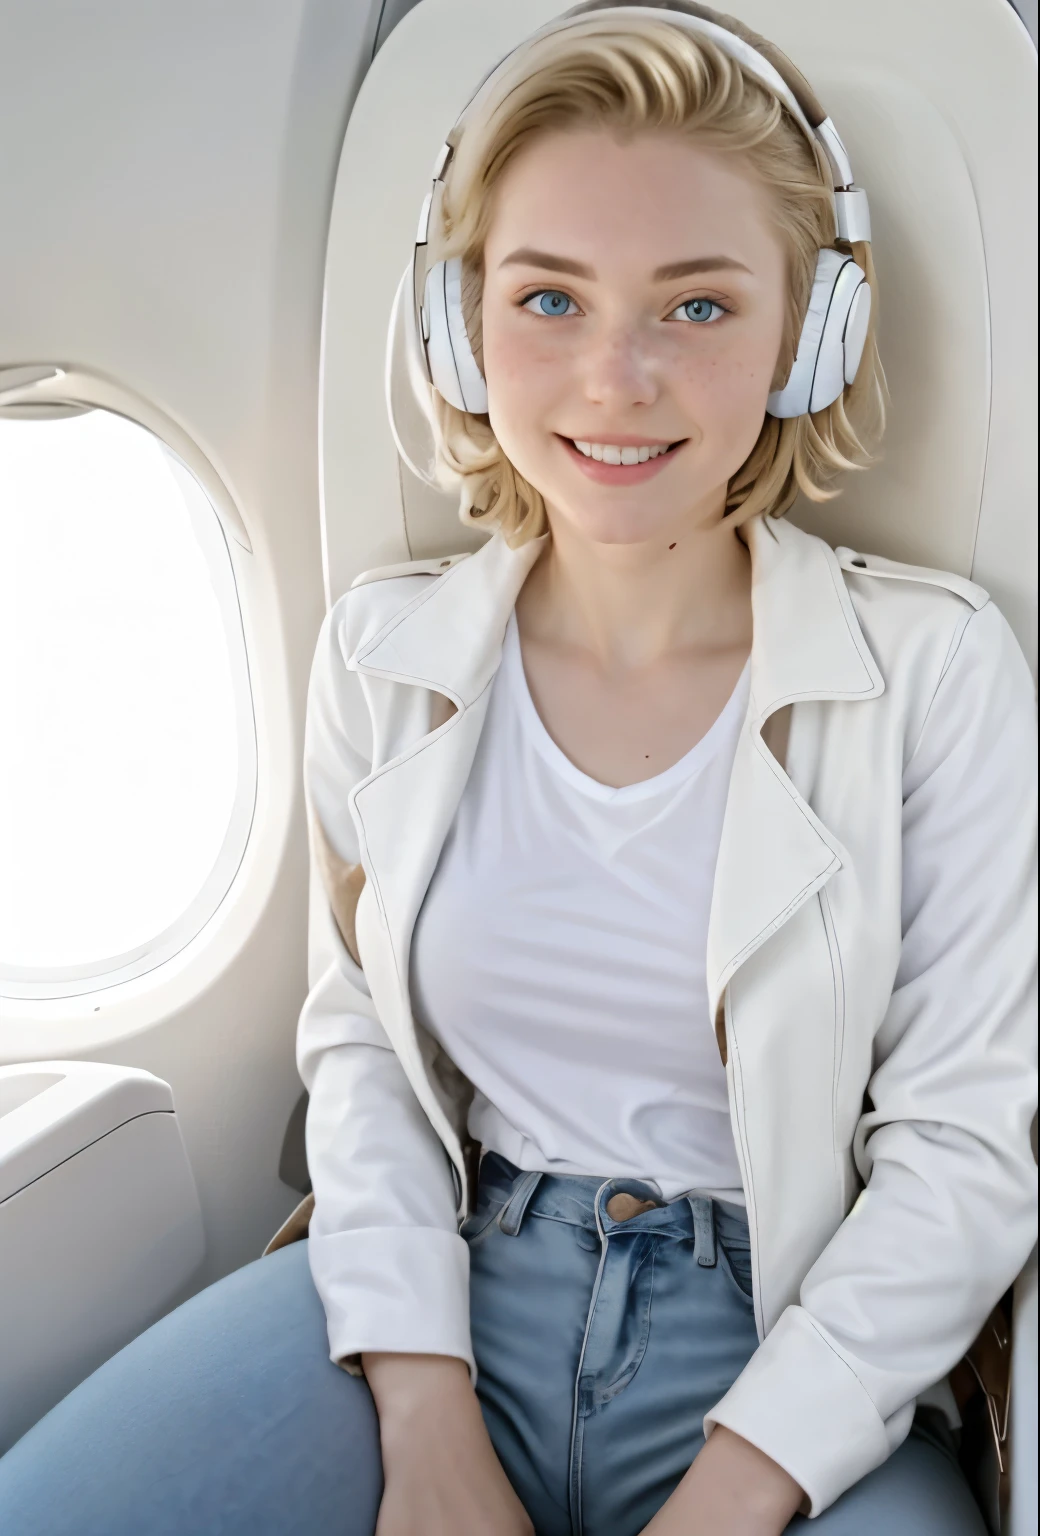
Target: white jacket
x,y
871,968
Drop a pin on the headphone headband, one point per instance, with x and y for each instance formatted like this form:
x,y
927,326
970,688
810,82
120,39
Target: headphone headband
x,y
851,210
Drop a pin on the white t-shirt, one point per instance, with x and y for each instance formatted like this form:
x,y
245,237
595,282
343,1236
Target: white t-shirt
x,y
560,954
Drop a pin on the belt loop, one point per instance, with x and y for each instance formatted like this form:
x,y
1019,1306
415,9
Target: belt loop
x,y
703,1230
512,1213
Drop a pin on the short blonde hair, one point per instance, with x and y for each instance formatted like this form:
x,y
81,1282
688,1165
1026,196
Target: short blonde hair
x,y
640,75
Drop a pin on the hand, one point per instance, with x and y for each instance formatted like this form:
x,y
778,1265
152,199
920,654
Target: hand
x,y
441,1476
732,1488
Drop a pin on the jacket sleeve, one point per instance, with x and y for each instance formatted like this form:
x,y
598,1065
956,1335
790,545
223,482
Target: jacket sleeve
x,y
385,1254
948,1214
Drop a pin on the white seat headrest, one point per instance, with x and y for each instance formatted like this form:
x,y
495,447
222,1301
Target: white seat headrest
x,y
948,154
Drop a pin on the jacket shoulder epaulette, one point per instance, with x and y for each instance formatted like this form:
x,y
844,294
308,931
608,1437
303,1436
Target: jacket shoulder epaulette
x,y
435,567
895,570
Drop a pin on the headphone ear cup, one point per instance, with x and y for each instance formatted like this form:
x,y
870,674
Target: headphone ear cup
x,y
452,366
856,325
831,343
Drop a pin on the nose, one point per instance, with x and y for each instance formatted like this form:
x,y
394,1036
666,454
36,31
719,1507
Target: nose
x,y
620,368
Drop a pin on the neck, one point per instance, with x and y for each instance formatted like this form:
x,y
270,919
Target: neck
x,y
634,604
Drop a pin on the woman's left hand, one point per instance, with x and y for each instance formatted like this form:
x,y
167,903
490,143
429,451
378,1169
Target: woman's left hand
x,y
732,1488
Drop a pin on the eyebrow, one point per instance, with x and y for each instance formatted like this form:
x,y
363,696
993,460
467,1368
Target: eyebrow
x,y
699,264
526,257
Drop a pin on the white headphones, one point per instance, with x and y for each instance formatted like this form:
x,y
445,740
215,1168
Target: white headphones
x,y
835,327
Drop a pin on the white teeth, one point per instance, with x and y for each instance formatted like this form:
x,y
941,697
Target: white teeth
x,y
611,453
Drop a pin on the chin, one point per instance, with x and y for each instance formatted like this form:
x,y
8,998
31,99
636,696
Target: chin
x,y
617,524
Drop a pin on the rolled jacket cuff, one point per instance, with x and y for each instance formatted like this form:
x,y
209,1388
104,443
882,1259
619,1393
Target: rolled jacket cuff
x,y
800,1402
403,1290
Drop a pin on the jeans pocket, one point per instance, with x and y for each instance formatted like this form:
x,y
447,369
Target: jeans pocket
x,y
494,1187
479,1220
734,1246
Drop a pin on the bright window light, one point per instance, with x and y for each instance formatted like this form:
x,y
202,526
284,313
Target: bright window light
x,y
119,762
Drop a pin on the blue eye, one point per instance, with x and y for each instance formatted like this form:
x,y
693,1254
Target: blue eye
x,y
700,310
547,301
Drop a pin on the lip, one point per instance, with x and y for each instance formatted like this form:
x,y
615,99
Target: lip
x,y
623,474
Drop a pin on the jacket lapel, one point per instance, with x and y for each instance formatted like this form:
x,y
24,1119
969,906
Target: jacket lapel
x,y
448,641
807,645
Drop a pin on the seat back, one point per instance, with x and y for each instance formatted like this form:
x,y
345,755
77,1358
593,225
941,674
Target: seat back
x,y
938,109
939,115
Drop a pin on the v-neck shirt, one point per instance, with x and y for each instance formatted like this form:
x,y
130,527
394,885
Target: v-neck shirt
x,y
560,953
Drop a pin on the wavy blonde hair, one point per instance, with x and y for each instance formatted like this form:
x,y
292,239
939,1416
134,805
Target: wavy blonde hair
x,y
640,75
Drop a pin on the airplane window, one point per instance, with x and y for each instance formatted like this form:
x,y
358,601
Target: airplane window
x,y
121,674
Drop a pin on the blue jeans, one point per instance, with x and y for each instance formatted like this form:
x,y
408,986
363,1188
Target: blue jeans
x,y
601,1344
597,1355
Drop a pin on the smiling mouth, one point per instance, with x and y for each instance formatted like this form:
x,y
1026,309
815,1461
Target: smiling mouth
x,y
623,454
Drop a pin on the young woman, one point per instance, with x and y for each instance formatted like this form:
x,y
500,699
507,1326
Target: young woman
x,y
679,863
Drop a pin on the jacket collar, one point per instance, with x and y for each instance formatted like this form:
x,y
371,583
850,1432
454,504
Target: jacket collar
x,y
807,642
450,637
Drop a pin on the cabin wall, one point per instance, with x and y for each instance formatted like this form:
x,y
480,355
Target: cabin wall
x,y
165,191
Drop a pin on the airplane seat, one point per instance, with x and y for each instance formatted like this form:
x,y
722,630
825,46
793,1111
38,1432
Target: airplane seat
x,y
947,152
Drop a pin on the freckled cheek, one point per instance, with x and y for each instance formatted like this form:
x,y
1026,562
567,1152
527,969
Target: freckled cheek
x,y
515,351
722,381
721,391
524,373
